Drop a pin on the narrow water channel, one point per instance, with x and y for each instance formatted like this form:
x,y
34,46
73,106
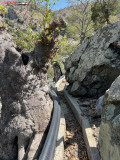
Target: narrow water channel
x,y
75,148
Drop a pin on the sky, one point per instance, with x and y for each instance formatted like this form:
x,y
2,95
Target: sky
x,y
60,5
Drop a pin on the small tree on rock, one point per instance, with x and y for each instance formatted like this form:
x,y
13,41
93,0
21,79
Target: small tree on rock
x,y
102,10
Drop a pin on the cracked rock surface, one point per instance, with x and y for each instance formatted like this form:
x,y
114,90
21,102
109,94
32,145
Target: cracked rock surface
x,y
95,64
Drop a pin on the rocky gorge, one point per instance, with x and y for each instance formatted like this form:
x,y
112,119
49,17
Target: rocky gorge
x,y
92,71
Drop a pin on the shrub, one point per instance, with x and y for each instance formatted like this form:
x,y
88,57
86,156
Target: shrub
x,y
9,22
3,10
2,26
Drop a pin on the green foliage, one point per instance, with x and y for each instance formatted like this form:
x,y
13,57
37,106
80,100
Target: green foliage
x,y
79,21
47,35
50,73
21,21
10,29
68,47
3,10
114,19
102,10
33,26
9,22
24,39
2,26
71,30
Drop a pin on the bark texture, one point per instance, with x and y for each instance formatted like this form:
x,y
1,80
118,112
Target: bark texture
x,y
26,105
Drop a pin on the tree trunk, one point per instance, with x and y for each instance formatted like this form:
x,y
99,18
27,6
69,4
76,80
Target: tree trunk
x,y
82,37
26,105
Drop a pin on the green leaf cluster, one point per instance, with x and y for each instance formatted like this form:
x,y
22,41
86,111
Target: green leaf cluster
x,y
102,10
24,39
3,10
9,22
79,20
2,26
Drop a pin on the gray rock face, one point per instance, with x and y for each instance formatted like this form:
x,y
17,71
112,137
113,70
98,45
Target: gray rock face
x,y
99,105
109,136
95,64
26,104
11,14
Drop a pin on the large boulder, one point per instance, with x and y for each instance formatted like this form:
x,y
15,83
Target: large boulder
x,y
109,136
26,104
95,64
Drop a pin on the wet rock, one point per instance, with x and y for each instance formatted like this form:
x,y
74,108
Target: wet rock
x,y
96,63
